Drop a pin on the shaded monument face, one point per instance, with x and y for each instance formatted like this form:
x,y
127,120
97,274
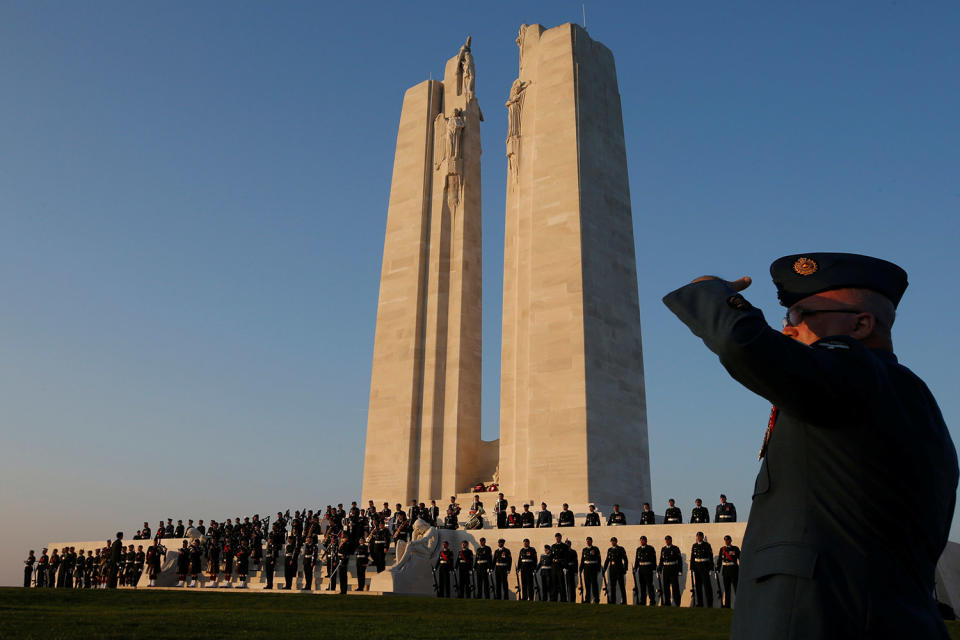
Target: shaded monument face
x,y
572,410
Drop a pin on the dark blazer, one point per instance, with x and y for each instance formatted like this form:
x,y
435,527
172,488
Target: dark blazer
x,y
854,433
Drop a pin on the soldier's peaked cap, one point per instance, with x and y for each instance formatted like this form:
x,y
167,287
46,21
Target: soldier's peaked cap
x,y
804,274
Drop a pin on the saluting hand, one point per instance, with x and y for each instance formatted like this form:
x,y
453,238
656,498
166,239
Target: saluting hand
x,y
736,285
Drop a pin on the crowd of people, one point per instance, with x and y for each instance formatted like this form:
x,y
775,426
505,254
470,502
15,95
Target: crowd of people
x,y
309,543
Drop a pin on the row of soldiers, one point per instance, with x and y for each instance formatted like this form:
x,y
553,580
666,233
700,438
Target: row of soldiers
x,y
559,572
68,568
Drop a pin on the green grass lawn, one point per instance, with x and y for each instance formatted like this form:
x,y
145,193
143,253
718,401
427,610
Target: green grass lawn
x,y
125,614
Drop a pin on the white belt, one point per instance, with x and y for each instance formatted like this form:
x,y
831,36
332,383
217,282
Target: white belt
x,y
701,560
729,564
644,564
591,562
528,561
670,562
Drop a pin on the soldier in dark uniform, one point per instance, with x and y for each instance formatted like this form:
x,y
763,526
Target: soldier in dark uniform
x,y
195,562
183,564
290,553
526,518
701,564
202,530
229,553
644,564
140,560
592,518
464,565
433,513
590,571
443,568
42,564
699,515
617,563
362,552
213,557
647,516
544,575
526,563
513,519
53,569
381,542
501,510
617,517
344,549
570,561
482,567
728,567
242,562
269,565
154,554
28,569
544,518
670,568
89,566
178,532
726,512
852,431
169,529
565,517
116,549
558,554
450,521
145,532
672,513
309,561
502,563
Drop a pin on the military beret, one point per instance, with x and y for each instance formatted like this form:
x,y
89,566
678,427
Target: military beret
x,y
805,274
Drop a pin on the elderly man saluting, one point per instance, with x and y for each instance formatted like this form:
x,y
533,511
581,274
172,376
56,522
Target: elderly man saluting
x,y
851,432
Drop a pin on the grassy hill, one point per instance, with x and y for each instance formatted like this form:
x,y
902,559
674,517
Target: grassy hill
x,y
51,614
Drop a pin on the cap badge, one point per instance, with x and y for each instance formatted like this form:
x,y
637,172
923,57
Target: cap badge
x,y
805,266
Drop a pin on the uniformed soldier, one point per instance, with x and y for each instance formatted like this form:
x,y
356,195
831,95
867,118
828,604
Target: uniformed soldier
x,y
590,571
442,569
401,534
526,518
380,544
543,585
501,510
544,518
309,562
53,568
483,566
565,517
140,560
155,553
644,565
726,512
242,560
669,570
593,518
852,431
145,532
229,553
647,516
169,529
672,513
28,569
195,560
179,530
42,565
201,529
728,567
570,561
290,552
344,550
526,563
269,564
502,563
183,564
433,513
617,517
453,505
116,550
701,564
89,566
513,519
558,555
450,520
213,557
362,553
464,565
699,515
617,564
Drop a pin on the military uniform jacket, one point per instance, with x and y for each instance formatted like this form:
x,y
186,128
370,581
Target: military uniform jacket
x,y
363,554
592,519
464,559
502,558
544,519
670,559
565,518
445,560
526,558
648,517
484,558
672,516
616,559
590,558
726,512
645,559
854,431
699,515
526,519
701,555
729,556
617,517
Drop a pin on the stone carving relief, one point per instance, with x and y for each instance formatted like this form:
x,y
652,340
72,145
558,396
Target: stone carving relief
x,y
448,153
521,35
514,106
466,78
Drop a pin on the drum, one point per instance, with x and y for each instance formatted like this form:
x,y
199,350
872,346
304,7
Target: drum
x,y
475,522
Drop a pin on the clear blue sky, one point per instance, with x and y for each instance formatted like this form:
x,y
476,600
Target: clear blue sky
x,y
193,199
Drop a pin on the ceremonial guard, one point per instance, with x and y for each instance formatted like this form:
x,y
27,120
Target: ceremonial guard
x,y
526,518
116,550
672,514
183,564
380,542
309,562
701,564
670,568
401,535
544,518
501,510
558,556
154,554
195,560
617,563
699,515
450,521
53,568
726,512
728,567
28,569
592,518
343,562
130,569
565,517
543,577
433,513
502,563
513,519
145,532
242,560
89,566
442,570
140,559
464,565
43,563
589,571
213,557
269,565
526,563
362,553
290,552
617,517
228,555
483,566
644,565
647,516
178,532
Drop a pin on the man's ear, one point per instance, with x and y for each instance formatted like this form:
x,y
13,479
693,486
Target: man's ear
x,y
864,326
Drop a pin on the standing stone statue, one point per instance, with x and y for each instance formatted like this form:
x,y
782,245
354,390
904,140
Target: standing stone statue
x,y
465,71
514,105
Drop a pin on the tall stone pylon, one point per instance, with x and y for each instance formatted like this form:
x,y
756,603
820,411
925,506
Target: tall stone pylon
x,y
423,425
573,425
